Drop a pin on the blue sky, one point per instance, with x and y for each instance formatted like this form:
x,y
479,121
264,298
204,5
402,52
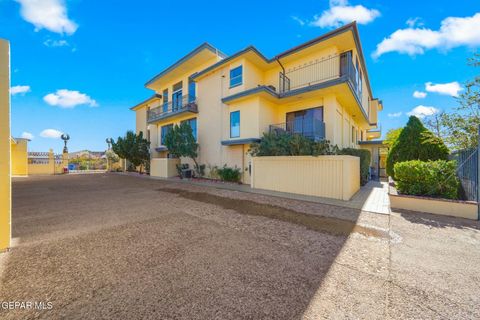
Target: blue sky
x,y
77,66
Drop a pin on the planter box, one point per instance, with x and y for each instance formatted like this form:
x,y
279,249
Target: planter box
x,y
445,207
163,167
336,177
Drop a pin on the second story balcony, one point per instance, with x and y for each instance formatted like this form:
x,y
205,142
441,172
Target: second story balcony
x,y
319,73
178,105
308,127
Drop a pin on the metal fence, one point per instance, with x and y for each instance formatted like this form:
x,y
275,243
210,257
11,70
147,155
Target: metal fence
x,y
467,171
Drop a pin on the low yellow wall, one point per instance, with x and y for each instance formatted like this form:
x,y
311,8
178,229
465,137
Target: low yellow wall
x,y
163,167
335,177
50,167
19,157
461,209
5,148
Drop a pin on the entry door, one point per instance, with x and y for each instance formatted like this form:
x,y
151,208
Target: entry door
x,y
247,165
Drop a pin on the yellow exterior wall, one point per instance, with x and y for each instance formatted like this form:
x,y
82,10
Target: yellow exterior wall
x,y
5,165
164,168
461,209
19,157
335,177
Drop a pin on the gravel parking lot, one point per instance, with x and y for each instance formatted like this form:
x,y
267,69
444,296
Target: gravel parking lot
x,y
111,246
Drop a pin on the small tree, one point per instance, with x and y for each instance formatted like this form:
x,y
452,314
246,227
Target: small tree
x,y
415,142
134,148
392,136
181,142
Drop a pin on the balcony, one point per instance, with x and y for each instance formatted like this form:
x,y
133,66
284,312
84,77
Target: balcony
x,y
321,73
310,128
177,106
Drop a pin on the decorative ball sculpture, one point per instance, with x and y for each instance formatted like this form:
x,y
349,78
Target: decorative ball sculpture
x,y
109,141
65,137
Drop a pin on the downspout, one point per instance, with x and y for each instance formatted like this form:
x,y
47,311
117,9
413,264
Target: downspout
x,y
282,85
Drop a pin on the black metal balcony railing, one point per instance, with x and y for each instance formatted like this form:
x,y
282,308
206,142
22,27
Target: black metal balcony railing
x,y
319,71
184,104
310,128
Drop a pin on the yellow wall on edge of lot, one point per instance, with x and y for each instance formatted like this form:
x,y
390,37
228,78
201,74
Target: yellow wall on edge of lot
x,y
335,177
5,166
19,157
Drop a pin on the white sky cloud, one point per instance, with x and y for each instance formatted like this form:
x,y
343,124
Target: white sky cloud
x,y
19,90
423,111
56,43
453,32
395,114
419,94
341,12
27,135
449,89
64,98
300,21
414,22
51,133
47,14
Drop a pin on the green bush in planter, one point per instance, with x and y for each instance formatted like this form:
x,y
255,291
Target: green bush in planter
x,y
365,158
229,174
415,142
427,178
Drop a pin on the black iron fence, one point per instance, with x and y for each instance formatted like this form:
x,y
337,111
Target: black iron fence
x,y
310,128
177,105
467,171
318,71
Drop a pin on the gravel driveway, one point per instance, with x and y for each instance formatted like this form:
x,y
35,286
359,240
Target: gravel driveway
x,y
110,246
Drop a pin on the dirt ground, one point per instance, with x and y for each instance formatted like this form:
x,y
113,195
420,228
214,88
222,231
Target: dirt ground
x,y
109,246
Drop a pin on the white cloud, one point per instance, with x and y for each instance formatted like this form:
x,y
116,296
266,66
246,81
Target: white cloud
x,y
423,111
394,115
47,14
19,90
449,89
300,21
419,94
453,32
341,12
414,22
69,99
51,133
27,135
56,43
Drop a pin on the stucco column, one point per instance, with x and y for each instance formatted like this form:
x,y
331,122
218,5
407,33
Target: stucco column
x,y
329,116
5,156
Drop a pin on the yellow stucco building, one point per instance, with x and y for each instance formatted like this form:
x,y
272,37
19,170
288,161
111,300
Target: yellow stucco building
x,y
319,89
5,167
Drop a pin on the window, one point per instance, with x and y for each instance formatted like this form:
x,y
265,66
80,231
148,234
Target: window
x,y
235,124
192,91
165,130
236,76
193,125
353,134
165,100
177,96
308,122
361,135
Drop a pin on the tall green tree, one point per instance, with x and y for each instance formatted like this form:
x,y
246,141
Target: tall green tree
x,y
181,142
415,142
134,148
459,128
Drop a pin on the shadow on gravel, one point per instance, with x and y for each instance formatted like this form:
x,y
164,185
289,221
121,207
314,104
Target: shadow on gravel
x,y
438,221
333,226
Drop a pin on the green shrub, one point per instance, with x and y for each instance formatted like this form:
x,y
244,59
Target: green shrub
x,y
285,144
229,174
415,142
427,178
365,158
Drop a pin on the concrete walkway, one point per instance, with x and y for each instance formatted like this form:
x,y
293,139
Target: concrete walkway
x,y
373,197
